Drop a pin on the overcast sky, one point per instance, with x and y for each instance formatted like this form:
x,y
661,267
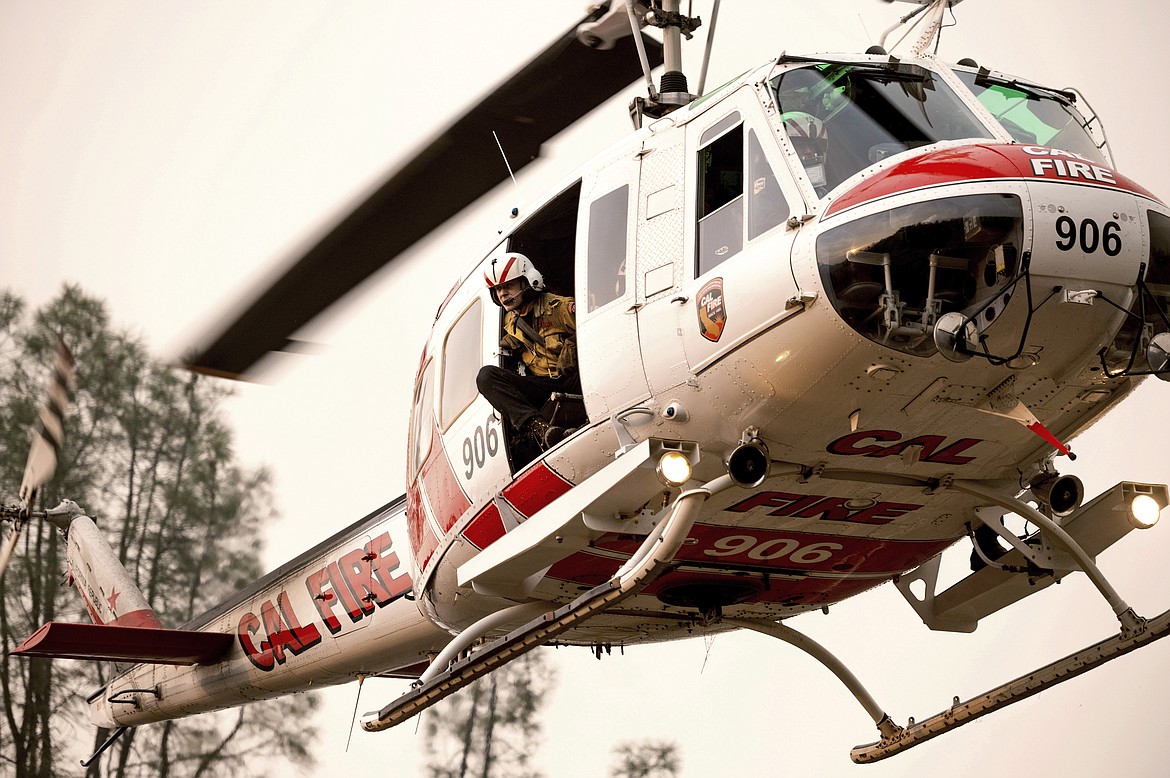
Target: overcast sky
x,y
168,155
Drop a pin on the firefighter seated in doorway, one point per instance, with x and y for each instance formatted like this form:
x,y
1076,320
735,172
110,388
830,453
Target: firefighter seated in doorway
x,y
540,326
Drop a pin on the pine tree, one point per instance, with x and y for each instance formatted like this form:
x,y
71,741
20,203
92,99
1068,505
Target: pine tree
x,y
148,455
646,759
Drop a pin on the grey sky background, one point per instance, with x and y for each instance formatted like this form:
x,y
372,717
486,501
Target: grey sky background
x,y
168,156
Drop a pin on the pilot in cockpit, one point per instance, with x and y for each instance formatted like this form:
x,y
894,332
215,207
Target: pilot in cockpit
x,y
810,138
541,327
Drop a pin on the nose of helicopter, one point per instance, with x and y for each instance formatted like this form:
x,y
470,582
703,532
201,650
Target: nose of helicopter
x,y
943,240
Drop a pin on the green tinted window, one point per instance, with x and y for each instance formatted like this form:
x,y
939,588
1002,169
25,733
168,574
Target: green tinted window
x,y
843,117
1032,115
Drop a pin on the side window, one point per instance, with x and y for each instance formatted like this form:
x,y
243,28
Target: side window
x,y
766,204
462,356
720,212
608,217
421,419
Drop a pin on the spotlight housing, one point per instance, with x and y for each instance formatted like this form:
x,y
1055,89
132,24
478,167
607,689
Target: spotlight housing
x,y
1144,511
674,468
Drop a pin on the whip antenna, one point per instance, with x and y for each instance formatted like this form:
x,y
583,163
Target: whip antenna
x,y
500,146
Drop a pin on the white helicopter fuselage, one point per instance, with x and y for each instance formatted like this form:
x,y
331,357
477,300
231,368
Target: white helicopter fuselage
x,y
720,340
733,291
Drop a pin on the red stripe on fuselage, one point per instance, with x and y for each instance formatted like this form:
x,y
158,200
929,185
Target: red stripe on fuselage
x,y
533,490
967,164
444,495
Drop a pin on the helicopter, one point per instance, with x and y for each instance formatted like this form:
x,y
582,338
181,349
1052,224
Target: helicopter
x,y
892,320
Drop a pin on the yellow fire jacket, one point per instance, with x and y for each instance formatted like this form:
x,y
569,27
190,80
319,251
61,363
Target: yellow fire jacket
x,y
554,319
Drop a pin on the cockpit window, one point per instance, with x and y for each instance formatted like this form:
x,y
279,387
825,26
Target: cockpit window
x,y
843,117
1033,115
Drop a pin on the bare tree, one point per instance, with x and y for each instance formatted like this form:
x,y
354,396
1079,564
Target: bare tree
x,y
646,759
491,728
148,454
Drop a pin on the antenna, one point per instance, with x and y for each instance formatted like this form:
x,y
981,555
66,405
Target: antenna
x,y
515,210
500,146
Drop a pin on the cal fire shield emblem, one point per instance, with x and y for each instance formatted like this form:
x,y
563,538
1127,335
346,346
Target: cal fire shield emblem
x,y
712,311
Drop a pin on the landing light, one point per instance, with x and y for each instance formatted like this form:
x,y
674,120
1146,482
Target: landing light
x,y
674,469
1144,511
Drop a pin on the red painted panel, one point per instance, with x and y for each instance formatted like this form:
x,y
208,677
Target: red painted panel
x,y
535,489
444,494
588,570
438,481
800,551
415,520
585,568
486,528
785,591
426,546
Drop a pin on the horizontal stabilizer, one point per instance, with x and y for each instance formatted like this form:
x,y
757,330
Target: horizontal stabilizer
x,y
125,644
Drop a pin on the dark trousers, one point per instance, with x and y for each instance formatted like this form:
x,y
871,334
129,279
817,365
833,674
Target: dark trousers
x,y
519,397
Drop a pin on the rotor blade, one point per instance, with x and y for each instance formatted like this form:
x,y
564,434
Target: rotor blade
x,y
48,437
8,547
562,84
49,432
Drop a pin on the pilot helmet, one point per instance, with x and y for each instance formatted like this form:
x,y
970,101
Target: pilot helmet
x,y
809,137
510,267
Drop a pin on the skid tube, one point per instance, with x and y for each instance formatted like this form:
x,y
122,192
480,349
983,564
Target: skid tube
x,y
1135,632
651,559
1021,688
881,719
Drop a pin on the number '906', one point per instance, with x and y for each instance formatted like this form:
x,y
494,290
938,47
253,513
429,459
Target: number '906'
x,y
769,550
1089,235
483,444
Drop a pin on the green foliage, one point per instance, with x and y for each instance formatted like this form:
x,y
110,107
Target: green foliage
x,y
491,728
149,456
646,759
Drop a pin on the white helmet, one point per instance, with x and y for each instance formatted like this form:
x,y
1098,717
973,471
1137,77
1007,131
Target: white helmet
x,y
509,267
811,141
807,132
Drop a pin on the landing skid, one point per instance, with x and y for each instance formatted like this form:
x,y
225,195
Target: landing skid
x,y
652,559
1135,632
1021,688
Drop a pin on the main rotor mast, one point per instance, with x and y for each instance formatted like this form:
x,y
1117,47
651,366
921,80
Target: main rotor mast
x,y
626,17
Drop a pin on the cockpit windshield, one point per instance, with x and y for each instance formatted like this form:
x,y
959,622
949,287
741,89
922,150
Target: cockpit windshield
x,y
842,117
1033,115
